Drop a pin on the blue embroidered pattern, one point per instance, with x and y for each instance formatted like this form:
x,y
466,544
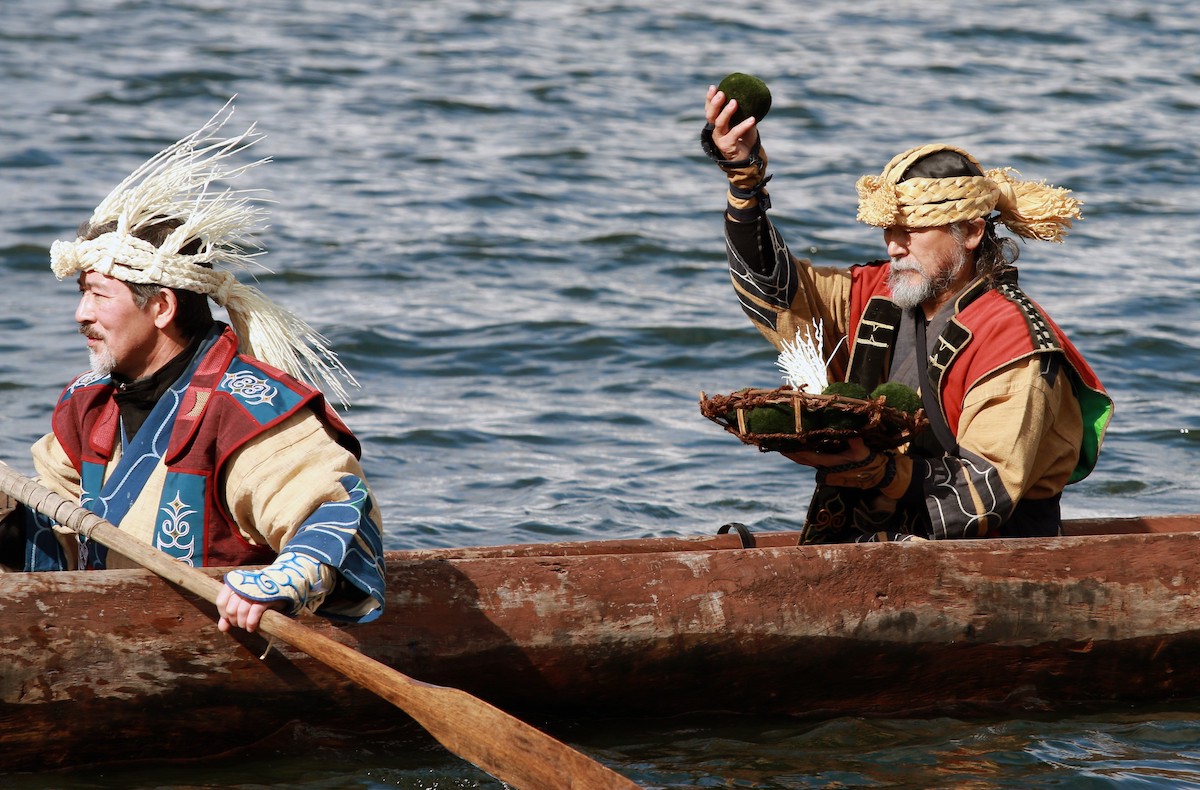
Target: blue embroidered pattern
x,y
86,380
43,552
179,530
141,457
112,499
343,535
263,398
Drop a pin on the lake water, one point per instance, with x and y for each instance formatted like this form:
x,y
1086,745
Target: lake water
x,y
499,215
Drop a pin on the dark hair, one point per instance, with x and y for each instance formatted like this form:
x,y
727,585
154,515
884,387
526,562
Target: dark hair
x,y
995,253
194,316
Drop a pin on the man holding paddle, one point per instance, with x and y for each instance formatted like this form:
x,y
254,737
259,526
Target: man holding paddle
x,y
194,443
210,442
1015,412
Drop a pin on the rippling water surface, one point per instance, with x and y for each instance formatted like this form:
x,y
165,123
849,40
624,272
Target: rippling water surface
x,y
499,215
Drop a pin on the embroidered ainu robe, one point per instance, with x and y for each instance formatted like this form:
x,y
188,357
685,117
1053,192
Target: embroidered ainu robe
x,y
236,461
1026,413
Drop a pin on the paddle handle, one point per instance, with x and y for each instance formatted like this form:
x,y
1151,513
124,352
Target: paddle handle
x,y
93,527
504,746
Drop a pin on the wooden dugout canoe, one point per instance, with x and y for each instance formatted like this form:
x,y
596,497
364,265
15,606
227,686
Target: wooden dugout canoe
x,y
120,665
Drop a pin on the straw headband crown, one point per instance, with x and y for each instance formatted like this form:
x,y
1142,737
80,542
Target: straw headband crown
x,y
178,185
1033,210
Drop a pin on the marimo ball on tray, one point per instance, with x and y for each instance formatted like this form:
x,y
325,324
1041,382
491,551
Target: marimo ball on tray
x,y
772,418
846,389
841,420
898,396
753,96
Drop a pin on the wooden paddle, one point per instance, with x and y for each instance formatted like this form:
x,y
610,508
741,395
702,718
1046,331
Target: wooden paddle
x,y
505,747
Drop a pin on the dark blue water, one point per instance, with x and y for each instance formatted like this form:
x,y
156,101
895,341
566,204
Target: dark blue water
x,y
499,215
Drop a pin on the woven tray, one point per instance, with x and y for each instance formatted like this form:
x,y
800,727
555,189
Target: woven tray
x,y
790,420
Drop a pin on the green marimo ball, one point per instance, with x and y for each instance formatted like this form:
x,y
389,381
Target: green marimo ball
x,y
835,418
772,418
846,389
898,396
753,96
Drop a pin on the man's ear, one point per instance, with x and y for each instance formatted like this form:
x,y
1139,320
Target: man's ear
x,y
974,233
165,307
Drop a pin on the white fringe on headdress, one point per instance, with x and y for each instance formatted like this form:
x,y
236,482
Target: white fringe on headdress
x,y
176,184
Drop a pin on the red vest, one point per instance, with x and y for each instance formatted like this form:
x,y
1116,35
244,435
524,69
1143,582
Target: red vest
x,y
223,408
1013,326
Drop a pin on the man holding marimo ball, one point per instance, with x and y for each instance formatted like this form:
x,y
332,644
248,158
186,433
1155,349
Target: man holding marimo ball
x,y
1015,412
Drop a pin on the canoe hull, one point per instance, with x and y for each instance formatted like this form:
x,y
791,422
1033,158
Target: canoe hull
x,y
96,666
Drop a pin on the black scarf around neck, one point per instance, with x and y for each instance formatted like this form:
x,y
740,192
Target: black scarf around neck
x,y
137,397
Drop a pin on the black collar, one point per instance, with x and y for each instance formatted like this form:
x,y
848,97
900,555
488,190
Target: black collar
x,y
137,397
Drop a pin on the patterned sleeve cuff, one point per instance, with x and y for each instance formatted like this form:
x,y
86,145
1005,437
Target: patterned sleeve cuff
x,y
748,174
296,579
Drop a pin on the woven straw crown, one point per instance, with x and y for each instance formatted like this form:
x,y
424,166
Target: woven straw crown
x,y
180,183
1033,210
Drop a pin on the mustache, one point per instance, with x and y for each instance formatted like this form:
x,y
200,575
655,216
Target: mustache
x,y
91,334
905,266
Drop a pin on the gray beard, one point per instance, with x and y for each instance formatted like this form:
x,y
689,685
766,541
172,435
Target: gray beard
x,y
907,294
102,362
